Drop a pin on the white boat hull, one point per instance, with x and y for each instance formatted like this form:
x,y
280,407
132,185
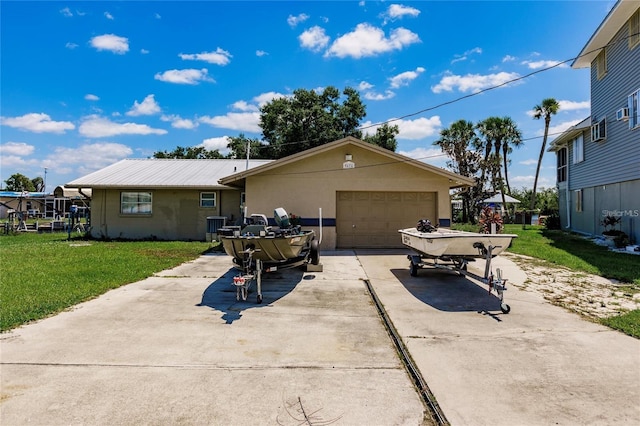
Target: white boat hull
x,y
451,243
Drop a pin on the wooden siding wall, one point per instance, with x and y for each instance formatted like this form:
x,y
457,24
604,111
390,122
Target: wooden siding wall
x,y
617,158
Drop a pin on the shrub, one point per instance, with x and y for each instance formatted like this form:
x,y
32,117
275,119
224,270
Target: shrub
x,y
552,221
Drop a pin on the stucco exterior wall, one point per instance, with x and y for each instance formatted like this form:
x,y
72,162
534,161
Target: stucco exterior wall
x,y
303,187
176,214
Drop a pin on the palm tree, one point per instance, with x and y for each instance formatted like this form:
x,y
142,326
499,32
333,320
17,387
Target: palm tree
x,y
512,138
456,141
548,108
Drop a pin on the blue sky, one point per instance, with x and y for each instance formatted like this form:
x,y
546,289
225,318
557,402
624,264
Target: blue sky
x,y
86,84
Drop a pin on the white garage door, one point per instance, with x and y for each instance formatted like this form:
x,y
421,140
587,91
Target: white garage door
x,y
372,219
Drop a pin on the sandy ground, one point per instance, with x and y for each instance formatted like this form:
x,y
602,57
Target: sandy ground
x,y
593,296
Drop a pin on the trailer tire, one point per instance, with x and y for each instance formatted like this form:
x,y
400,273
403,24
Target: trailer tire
x,y
413,269
314,252
505,308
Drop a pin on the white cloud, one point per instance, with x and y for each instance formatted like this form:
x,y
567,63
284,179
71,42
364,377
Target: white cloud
x,y
574,106
375,96
108,16
364,85
111,42
87,158
403,79
179,122
509,58
367,40
472,82
70,45
397,11
465,55
16,148
534,65
410,129
219,57
91,97
66,12
433,156
186,76
314,39
267,97
144,51
261,53
94,126
240,121
295,20
559,128
149,106
37,123
245,106
220,144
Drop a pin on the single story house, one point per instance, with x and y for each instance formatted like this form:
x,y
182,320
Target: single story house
x,y
360,193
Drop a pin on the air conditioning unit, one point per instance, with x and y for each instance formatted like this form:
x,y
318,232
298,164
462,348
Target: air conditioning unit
x,y
622,114
598,131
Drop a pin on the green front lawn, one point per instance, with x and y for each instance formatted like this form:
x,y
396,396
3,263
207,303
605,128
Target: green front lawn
x,y
43,274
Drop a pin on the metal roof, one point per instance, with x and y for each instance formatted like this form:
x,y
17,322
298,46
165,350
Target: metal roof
x,y
164,173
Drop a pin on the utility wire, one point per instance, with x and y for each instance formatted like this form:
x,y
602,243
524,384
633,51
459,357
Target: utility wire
x,y
440,105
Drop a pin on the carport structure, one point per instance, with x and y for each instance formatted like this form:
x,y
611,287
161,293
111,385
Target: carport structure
x,y
360,193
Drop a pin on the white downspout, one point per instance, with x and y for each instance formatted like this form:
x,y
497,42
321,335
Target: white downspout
x,y
568,197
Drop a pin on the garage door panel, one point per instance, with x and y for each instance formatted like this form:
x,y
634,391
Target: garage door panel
x,y
372,219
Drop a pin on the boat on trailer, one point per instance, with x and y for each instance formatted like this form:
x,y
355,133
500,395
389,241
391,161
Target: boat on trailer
x,y
258,247
453,250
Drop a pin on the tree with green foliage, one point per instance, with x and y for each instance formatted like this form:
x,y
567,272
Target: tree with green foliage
x,y
38,184
238,147
192,152
456,142
385,137
19,182
309,119
546,109
500,134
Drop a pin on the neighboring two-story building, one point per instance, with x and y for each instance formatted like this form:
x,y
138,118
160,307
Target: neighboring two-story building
x,y
599,158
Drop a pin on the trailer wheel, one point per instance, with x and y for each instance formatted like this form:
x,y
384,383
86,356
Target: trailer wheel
x,y
314,252
259,301
505,308
413,269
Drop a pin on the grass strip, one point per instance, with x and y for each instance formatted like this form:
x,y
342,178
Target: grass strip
x,y
43,274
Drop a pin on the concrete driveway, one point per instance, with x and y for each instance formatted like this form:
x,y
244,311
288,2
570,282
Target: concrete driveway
x,y
178,348
537,365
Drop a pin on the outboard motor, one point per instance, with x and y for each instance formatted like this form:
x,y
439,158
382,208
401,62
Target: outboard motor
x,y
424,225
281,217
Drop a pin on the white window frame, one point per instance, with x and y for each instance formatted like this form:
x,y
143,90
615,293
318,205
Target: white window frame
x,y
634,109
208,200
578,150
599,130
634,28
562,166
138,203
601,63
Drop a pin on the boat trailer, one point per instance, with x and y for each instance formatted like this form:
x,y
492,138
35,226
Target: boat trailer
x,y
251,270
459,264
